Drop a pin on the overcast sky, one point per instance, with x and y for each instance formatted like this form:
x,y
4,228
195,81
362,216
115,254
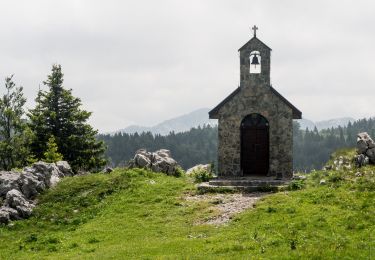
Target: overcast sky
x,y
141,62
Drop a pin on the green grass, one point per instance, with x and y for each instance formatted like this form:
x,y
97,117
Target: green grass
x,y
136,214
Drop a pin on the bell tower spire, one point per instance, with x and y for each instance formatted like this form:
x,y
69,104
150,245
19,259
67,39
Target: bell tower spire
x,y
255,62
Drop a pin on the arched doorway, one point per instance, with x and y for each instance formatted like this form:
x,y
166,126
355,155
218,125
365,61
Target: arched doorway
x,y
254,145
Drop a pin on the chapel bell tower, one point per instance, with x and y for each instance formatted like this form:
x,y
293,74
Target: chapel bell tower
x,y
255,62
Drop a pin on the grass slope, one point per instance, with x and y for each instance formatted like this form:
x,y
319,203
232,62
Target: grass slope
x,y
138,214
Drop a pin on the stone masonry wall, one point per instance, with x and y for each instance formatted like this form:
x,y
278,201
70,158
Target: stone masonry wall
x,y
255,99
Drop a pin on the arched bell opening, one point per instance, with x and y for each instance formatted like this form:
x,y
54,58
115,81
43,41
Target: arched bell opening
x,y
255,62
254,145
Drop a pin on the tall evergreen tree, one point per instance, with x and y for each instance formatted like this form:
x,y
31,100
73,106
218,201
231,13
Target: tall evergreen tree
x,y
15,137
58,113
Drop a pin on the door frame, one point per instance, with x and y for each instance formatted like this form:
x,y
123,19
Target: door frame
x,y
257,121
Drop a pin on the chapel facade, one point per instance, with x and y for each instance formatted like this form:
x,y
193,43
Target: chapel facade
x,y
255,122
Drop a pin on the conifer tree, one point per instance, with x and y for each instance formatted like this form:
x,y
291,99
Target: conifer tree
x,y
52,155
59,113
15,137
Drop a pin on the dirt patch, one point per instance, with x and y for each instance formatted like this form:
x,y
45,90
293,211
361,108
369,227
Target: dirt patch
x,y
227,205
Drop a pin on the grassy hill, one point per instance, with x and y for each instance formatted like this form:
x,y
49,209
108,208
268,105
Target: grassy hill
x,y
139,214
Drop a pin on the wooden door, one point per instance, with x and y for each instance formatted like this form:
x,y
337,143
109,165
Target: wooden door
x,y
254,145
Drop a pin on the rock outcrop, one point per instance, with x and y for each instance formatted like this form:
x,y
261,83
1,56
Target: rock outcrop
x,y
365,149
159,161
19,189
205,167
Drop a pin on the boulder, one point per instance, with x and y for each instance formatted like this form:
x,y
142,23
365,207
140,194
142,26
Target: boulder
x,y
7,214
142,161
365,149
159,161
361,160
364,142
16,200
206,167
365,137
19,188
164,164
361,146
64,169
30,185
9,181
164,153
371,154
107,170
42,171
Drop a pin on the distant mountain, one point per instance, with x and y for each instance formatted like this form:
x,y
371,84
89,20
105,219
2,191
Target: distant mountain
x,y
200,117
177,124
343,121
305,123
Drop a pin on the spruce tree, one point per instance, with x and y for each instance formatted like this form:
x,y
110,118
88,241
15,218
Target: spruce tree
x,y
15,137
52,155
58,113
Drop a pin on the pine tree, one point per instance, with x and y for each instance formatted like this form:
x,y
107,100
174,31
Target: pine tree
x,y
52,155
15,137
58,113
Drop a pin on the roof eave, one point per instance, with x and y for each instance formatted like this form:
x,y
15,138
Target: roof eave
x,y
297,114
213,114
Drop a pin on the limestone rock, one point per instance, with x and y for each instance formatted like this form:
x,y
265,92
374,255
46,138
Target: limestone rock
x,y
7,214
30,185
371,154
159,161
9,181
16,200
107,170
206,167
19,188
365,137
364,142
361,160
365,150
163,153
142,160
42,171
64,169
4,216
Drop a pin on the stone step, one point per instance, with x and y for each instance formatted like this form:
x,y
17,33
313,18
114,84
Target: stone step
x,y
249,182
205,187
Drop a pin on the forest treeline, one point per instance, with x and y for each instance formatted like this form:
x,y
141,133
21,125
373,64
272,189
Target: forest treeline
x,y
311,148
199,145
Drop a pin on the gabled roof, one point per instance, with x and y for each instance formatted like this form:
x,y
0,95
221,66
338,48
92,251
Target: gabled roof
x,y
297,114
254,39
216,109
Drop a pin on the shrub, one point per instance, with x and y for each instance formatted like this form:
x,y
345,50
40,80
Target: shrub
x,y
296,185
202,175
52,155
335,177
179,172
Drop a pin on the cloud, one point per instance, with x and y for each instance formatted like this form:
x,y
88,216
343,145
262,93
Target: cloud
x,y
146,61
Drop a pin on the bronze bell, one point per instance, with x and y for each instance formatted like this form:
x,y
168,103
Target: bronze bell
x,y
255,60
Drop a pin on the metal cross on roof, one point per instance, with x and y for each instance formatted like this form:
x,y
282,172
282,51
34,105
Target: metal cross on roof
x,y
255,28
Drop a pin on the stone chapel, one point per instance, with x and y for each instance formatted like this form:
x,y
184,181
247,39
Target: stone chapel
x,y
255,122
